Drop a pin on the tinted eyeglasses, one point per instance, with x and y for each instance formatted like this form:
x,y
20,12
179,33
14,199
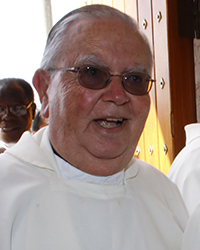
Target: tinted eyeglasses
x,y
18,110
92,77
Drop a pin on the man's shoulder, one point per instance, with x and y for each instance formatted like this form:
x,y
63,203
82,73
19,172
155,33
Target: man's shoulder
x,y
27,147
145,168
151,182
148,173
30,156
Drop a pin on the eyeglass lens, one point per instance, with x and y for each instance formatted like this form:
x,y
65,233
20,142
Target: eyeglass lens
x,y
16,110
98,78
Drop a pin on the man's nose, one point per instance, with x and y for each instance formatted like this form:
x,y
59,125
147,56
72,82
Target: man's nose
x,y
115,91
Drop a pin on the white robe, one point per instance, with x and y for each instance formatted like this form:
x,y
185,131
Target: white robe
x,y
185,170
39,210
191,238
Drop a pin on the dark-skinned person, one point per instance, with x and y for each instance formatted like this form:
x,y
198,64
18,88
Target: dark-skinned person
x,y
75,184
17,110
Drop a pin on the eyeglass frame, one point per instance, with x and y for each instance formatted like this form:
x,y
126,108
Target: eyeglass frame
x,y
122,76
10,109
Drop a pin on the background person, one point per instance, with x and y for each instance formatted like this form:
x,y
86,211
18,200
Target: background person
x,y
75,184
185,169
17,110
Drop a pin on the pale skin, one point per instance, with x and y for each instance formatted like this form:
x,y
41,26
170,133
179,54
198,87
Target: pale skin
x,y
82,122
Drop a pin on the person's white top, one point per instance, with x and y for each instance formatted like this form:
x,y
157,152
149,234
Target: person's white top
x,y
6,145
42,210
191,239
185,170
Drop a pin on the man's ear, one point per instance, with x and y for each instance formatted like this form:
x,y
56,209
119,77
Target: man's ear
x,y
41,81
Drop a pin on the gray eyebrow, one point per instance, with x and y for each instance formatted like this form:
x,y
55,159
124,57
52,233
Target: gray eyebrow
x,y
89,59
95,60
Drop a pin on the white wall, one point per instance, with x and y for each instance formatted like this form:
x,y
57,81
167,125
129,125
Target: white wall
x,y
62,7
24,26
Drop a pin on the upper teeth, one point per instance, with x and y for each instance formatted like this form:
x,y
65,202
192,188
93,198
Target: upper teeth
x,y
7,129
110,122
114,120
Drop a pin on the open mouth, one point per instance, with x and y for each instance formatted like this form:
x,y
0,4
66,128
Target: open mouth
x,y
110,122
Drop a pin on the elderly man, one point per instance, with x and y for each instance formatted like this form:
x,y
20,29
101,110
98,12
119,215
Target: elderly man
x,y
185,169
17,110
74,185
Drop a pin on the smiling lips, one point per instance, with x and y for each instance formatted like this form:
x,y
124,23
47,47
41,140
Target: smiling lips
x,y
109,122
7,129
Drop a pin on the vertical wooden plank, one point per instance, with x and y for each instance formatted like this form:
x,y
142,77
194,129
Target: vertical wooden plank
x,y
162,91
131,8
151,127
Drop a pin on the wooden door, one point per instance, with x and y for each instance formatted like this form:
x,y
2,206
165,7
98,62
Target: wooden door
x,y
160,34
175,83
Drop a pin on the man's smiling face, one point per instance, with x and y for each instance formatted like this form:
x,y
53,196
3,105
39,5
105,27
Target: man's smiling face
x,y
12,126
86,125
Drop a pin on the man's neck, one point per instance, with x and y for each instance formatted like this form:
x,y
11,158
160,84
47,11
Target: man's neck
x,y
70,172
